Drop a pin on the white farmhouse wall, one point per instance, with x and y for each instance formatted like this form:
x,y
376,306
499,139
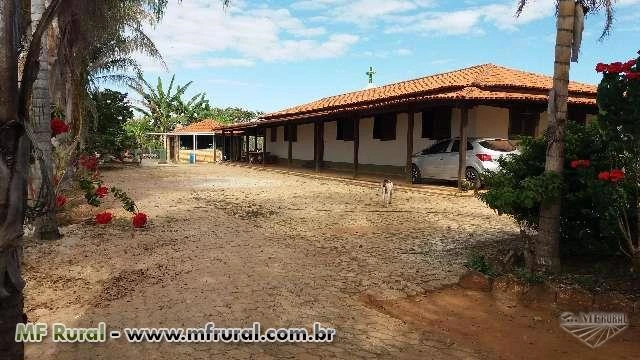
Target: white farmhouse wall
x,y
484,121
489,121
302,149
280,147
336,150
376,152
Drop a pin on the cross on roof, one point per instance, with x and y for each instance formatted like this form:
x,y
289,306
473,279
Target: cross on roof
x,y
370,74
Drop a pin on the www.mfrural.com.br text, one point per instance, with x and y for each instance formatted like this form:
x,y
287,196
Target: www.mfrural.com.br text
x,y
38,332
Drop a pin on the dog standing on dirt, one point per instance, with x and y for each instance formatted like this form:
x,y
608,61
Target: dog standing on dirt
x,y
387,191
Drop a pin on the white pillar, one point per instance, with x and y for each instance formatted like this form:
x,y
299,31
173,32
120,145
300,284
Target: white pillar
x,y
195,146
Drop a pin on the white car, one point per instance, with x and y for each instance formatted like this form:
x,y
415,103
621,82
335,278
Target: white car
x,y
440,161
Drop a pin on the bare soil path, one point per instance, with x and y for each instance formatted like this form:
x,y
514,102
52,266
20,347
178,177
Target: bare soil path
x,y
234,245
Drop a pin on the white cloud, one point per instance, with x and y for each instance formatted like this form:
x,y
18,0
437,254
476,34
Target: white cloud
x,y
470,20
219,62
242,35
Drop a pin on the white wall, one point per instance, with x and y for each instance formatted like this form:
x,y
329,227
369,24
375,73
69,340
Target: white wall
x,y
488,121
279,148
303,148
336,150
374,151
484,121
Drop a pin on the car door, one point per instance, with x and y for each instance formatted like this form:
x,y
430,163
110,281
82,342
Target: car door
x,y
430,159
451,160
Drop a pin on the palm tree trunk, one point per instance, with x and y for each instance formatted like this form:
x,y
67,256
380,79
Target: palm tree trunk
x,y
12,158
46,225
548,239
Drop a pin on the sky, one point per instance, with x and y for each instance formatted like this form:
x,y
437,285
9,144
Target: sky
x,y
269,55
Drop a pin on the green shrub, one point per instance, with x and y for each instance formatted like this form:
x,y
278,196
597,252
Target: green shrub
x,y
588,224
479,263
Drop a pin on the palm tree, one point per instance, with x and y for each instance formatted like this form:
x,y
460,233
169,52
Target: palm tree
x,y
570,14
46,226
166,109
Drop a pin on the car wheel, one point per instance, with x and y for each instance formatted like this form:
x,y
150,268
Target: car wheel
x,y
416,177
472,176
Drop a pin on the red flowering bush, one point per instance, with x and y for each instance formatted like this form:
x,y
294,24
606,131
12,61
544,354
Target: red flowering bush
x,y
101,191
104,217
88,162
139,220
580,163
60,201
58,127
619,103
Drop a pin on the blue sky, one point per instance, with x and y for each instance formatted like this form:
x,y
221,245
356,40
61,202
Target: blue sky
x,y
268,55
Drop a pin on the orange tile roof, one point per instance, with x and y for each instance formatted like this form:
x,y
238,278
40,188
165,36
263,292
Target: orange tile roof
x,y
480,82
204,126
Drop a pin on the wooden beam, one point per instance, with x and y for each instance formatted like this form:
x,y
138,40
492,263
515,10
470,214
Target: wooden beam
x,y
462,151
410,126
215,150
321,144
255,142
264,146
316,145
290,151
356,144
224,146
246,146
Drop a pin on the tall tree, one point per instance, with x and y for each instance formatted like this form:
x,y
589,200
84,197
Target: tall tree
x,y
570,17
46,226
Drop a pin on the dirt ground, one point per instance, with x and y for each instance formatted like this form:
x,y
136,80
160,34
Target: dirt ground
x,y
234,245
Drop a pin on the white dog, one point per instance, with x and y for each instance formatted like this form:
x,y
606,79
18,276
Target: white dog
x,y
387,191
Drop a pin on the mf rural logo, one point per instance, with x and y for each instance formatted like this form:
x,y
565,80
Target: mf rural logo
x,y
594,328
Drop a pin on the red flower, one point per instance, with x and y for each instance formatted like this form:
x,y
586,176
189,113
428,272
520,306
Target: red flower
x,y
600,67
632,75
605,176
60,201
102,191
58,127
104,217
628,65
615,68
580,163
139,220
616,175
88,162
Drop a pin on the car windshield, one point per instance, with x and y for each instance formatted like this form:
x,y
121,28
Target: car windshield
x,y
498,145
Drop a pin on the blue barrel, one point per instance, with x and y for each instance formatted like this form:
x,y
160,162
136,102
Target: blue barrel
x,y
192,158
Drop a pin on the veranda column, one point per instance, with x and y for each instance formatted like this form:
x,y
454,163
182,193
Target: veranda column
x,y
316,144
410,125
215,150
224,145
264,146
195,147
462,149
246,145
290,153
356,144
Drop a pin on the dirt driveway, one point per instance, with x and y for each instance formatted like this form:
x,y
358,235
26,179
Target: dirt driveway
x,y
235,245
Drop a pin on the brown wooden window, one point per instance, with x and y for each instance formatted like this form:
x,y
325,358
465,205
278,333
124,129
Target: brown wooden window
x,y
291,131
436,123
344,129
384,127
274,134
523,121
